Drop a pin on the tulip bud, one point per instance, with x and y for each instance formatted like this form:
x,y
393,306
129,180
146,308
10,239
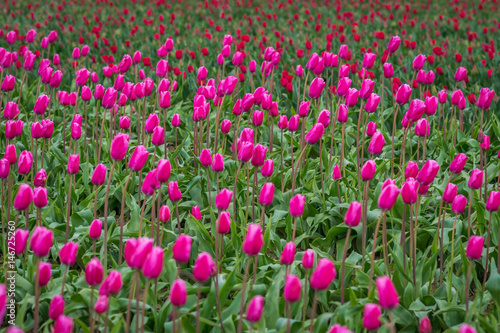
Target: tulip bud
x,y
388,197
93,272
466,329
245,152
493,202
323,275
181,251
204,267
376,144
409,191
475,247
388,296
297,205
288,254
25,162
411,170
315,134
56,307
153,265
217,163
336,172
225,126
63,324
316,88
164,213
124,122
119,146
178,293
267,168
476,179
136,251
428,172
68,253
266,194
255,308
173,191
293,288
223,199
195,211
23,198
101,305
368,170
353,215
73,164
20,239
459,203
308,259
44,273
371,129
450,192
324,118
371,317
205,158
253,240
425,326
342,113
99,175
95,229
40,197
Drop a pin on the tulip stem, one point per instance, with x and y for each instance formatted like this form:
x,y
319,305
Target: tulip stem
x,y
467,286
68,208
452,258
393,134
364,213
313,312
198,296
234,191
386,246
143,314
374,247
360,120
288,314
243,288
254,190
100,137
296,168
124,191
342,274
304,308
441,239
487,250
129,303
282,161
402,241
143,207
37,294
178,219
248,193
294,228
105,244
470,207
91,309
64,279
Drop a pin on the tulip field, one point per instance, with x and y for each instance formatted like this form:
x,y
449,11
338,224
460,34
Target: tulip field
x,y
250,166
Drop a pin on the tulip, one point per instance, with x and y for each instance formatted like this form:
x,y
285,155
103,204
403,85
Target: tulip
x,y
158,136
409,191
63,324
99,175
337,328
245,151
119,146
101,305
368,170
366,88
336,172
267,168
150,183
173,191
450,192
164,214
304,109
163,171
93,272
388,70
293,123
56,307
288,254
151,123
204,267
24,197
324,118
343,86
428,172
466,329
178,293
266,194
475,179
253,241
422,128
153,265
44,273
73,164
342,113
371,317
372,103
403,94
459,203
20,239
195,211
138,158
41,241
323,275
485,145
418,62
485,98
458,163
475,247
393,45
316,88
315,134
493,202
95,229
217,163
292,289
368,60
388,296
25,162
352,97
136,251
297,205
223,199
223,224
181,251
283,122
388,197
376,144
225,126
425,325
353,215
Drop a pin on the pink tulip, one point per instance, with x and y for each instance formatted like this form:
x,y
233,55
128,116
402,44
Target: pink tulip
x,y
425,325
458,163
316,88
315,134
475,179
205,158
266,194
353,215
174,192
63,324
56,307
178,294
267,168
93,272
323,275
475,247
119,146
223,199
450,192
292,289
136,251
204,267
20,240
376,144
44,273
181,251
288,254
428,172
95,229
153,264
255,308
394,43
387,294
336,172
371,317
24,197
493,202
297,205
388,197
253,240
68,253
223,224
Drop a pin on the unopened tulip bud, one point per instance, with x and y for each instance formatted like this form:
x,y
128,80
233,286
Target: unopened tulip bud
x,y
475,247
292,289
387,294
371,317
353,215
178,294
255,308
323,275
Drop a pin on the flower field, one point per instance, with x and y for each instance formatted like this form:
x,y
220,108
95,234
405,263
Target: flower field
x,y
250,166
